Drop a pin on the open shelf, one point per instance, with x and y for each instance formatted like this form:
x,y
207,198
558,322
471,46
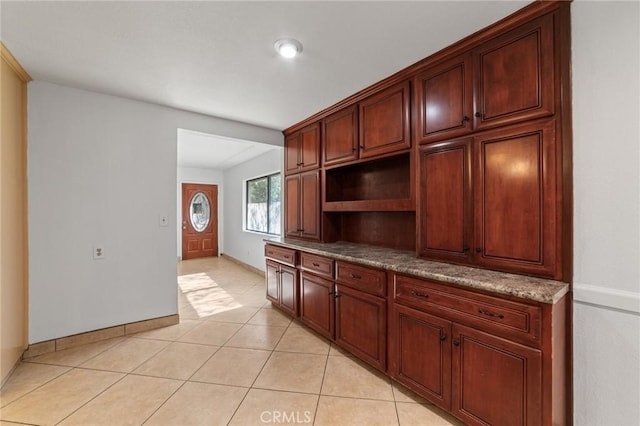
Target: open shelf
x,y
379,185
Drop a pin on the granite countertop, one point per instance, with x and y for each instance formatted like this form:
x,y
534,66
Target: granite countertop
x,y
406,262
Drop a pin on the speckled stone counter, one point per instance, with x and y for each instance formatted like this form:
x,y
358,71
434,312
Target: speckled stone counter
x,y
406,262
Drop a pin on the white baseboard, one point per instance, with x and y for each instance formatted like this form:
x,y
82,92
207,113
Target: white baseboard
x,y
607,297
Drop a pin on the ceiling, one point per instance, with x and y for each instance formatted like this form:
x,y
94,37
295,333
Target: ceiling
x,y
204,151
217,58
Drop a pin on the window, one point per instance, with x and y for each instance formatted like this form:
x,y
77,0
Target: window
x,y
263,204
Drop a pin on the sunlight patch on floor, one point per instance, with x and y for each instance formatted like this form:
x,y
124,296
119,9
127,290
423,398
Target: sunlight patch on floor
x,y
205,296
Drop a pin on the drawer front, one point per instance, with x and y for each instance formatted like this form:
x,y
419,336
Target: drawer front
x,y
513,319
281,254
361,277
317,264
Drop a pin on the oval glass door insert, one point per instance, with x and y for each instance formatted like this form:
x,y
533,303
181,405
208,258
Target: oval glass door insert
x,y
199,211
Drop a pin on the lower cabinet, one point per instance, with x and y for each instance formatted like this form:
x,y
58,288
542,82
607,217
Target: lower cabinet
x,y
317,303
495,381
361,325
486,359
347,314
482,379
282,286
421,353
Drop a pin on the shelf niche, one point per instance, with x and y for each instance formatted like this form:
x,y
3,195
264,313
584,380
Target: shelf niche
x,y
391,229
378,185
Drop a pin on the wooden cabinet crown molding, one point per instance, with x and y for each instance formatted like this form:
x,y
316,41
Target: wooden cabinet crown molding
x,y
529,12
14,64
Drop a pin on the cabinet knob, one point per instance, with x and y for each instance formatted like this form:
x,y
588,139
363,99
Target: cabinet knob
x,y
465,119
478,114
443,337
478,249
465,249
456,342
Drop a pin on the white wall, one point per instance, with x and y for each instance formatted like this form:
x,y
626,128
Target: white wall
x,y
606,146
207,176
100,170
246,246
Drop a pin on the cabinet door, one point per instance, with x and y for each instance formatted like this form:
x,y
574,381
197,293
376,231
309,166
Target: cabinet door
x,y
361,325
340,136
444,100
384,122
310,147
516,200
515,75
495,381
289,290
310,205
317,304
420,353
273,292
445,208
292,145
292,206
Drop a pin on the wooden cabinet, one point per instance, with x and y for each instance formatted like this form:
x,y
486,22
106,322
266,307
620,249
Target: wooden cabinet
x,y
507,79
495,381
493,200
515,75
444,100
384,125
302,205
478,356
361,312
445,226
317,304
340,136
302,150
420,353
378,125
348,311
516,200
281,279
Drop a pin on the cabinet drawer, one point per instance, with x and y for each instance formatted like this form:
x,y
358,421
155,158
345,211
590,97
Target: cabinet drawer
x,y
516,320
362,278
280,254
317,264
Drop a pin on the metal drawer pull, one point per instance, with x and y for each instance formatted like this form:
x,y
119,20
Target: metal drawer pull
x,y
357,277
417,293
490,314
287,257
317,265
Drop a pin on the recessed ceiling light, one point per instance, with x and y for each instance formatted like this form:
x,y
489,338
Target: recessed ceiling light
x,y
288,47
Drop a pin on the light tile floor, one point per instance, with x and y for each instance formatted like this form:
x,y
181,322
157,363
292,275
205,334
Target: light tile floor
x,y
232,360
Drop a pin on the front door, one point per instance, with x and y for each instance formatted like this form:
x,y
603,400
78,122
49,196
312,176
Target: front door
x,y
199,220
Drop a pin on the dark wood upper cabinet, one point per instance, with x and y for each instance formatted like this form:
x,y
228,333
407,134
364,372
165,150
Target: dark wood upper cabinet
x,y
340,136
445,203
384,122
515,75
516,199
444,100
302,150
302,205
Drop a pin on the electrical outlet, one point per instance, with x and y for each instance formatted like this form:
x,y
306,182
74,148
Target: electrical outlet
x,y
162,220
98,252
